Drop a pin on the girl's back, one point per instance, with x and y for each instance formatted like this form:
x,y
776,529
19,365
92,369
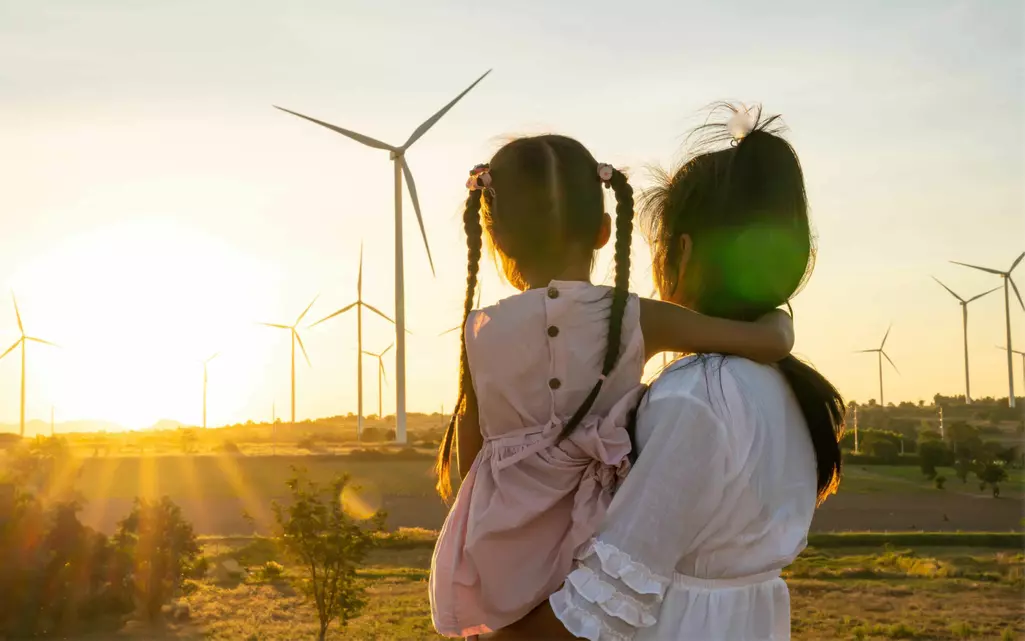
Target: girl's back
x,y
531,502
533,358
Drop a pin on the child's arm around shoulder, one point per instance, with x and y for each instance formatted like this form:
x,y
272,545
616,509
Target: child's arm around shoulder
x,y
668,327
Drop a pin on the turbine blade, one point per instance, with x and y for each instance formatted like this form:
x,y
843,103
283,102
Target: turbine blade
x,y
1015,263
275,325
359,279
39,340
11,348
212,358
370,353
948,289
21,328
384,372
885,336
416,207
860,351
427,124
387,349
1016,292
985,269
891,362
302,347
981,295
338,313
358,137
306,310
379,313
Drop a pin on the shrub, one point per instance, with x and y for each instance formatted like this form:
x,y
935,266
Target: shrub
x,y
159,546
59,577
329,545
940,481
991,474
271,571
307,443
230,447
961,630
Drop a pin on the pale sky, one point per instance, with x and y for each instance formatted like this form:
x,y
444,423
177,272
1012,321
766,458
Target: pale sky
x,y
155,206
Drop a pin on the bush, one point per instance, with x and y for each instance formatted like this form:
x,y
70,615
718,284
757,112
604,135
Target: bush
x,y
991,474
881,447
271,571
230,447
159,546
59,577
932,454
940,481
315,530
307,443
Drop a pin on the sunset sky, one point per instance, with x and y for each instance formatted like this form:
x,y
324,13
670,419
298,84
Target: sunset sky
x,y
155,207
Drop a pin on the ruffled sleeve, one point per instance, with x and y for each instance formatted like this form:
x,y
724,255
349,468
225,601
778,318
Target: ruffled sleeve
x,y
665,509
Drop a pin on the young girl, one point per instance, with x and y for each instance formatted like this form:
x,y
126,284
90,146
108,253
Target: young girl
x,y
548,379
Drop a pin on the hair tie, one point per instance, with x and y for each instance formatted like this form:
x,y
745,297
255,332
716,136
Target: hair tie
x,y
480,178
741,124
605,173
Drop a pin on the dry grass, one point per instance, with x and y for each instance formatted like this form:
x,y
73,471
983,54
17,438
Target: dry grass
x,y
854,593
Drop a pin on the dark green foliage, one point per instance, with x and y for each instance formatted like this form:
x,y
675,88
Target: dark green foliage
x,y
158,545
991,475
329,545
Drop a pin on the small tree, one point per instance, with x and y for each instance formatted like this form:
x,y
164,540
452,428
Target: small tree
x,y
940,481
931,454
992,474
159,545
316,531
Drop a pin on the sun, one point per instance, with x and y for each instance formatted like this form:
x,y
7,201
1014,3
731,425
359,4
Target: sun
x,y
135,308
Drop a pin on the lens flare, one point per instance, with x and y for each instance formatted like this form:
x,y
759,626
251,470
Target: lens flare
x,y
361,499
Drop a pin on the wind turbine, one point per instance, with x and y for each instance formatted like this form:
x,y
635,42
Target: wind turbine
x,y
881,355
964,318
1020,353
23,342
205,363
480,291
359,305
1007,314
401,168
295,339
381,377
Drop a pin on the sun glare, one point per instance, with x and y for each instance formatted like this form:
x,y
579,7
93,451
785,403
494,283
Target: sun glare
x,y
135,309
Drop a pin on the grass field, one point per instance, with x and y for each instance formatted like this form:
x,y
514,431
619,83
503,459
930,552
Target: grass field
x,y
863,592
215,490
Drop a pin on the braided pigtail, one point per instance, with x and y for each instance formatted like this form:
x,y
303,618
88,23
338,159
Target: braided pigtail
x,y
624,227
472,226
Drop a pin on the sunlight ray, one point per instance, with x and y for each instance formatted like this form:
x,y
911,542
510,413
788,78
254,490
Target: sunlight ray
x,y
259,510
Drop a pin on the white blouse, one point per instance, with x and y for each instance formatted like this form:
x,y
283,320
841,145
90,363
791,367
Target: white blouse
x,y
720,500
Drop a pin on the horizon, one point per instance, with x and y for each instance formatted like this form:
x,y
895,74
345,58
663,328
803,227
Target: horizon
x,y
158,207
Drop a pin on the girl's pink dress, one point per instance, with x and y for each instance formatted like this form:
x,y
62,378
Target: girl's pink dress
x,y
528,504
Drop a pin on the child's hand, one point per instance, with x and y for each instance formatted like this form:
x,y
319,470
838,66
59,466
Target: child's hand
x,y
782,326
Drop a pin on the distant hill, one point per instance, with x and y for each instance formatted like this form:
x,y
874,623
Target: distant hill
x,y
166,424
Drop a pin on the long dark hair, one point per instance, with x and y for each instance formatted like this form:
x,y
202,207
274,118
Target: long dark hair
x,y
742,202
541,208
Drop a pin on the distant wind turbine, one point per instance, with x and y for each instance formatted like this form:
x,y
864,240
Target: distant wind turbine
x,y
881,354
1020,353
1007,314
381,377
205,363
359,304
295,339
964,319
23,342
398,157
480,291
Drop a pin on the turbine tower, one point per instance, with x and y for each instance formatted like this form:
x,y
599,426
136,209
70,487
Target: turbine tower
x,y
295,339
881,355
401,168
359,304
1019,353
964,321
205,363
23,342
1007,315
381,377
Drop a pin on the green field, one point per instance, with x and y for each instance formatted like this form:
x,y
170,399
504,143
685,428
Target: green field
x,y
873,592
